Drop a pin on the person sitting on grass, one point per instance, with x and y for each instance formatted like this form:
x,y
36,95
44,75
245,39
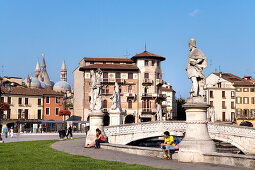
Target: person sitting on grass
x,y
167,145
99,139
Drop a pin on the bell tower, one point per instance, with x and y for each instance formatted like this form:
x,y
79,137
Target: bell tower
x,y
63,72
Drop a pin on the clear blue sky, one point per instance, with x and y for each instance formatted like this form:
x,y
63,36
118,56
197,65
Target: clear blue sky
x,y
71,30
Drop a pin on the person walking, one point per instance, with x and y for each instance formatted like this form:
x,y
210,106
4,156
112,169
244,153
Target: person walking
x,y
70,131
6,131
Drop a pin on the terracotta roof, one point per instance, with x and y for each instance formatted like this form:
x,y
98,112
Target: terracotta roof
x,y
237,81
146,54
127,60
167,89
29,91
110,67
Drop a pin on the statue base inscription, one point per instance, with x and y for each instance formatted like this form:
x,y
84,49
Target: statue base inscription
x,y
197,140
95,121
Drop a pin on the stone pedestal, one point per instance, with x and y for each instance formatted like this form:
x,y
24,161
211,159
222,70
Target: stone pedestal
x,y
95,121
197,140
115,117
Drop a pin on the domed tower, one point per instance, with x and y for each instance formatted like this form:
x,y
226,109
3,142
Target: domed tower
x,y
63,72
150,82
37,69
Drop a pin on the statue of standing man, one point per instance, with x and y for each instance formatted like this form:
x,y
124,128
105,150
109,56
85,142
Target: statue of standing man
x,y
196,63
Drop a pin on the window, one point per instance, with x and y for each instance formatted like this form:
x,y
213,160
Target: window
x,y
152,62
47,99
117,75
105,75
252,90
2,99
239,100
130,89
19,113
158,63
130,104
56,111
239,89
223,105
211,103
223,116
219,85
252,112
20,100
146,75
26,101
9,100
57,100
232,105
130,75
253,100
92,62
232,94
223,94
211,94
26,113
245,89
245,112
47,111
39,114
39,102
158,76
8,113
245,100
146,62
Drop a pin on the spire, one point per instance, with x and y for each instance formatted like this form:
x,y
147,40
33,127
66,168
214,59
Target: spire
x,y
63,72
63,67
145,48
37,69
43,62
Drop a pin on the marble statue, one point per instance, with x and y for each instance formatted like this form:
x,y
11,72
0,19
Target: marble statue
x,y
159,112
116,102
196,63
96,90
212,115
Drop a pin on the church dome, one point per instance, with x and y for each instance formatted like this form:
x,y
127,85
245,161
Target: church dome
x,y
43,85
62,86
35,83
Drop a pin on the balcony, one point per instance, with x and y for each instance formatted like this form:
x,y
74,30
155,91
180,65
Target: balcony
x,y
120,81
147,95
162,96
148,111
147,82
131,95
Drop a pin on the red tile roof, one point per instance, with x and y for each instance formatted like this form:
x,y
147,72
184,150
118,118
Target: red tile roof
x,y
125,60
147,54
110,67
29,91
237,81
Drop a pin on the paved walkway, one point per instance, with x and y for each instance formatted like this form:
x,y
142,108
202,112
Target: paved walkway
x,y
18,137
75,147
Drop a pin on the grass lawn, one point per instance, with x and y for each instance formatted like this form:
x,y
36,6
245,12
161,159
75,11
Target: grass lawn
x,y
39,155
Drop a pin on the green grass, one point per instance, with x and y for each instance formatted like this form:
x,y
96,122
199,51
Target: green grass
x,y
39,155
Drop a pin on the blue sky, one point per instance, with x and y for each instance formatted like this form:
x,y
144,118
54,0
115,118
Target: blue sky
x,y
71,30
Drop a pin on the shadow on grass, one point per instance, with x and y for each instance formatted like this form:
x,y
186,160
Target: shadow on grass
x,y
39,155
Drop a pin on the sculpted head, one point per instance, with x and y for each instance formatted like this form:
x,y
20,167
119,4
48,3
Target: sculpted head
x,y
192,44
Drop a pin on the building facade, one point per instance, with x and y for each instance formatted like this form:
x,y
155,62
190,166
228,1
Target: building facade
x,y
231,98
139,78
169,105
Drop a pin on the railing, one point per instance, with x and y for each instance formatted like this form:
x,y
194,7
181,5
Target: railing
x,y
147,81
148,110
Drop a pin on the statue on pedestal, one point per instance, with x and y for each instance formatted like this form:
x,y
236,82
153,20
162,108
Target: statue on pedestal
x,y
116,102
196,63
96,90
159,112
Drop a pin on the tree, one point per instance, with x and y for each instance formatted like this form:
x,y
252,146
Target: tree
x,y
181,114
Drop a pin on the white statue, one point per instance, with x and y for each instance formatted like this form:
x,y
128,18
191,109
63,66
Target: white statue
x,y
96,90
196,63
116,102
212,115
159,112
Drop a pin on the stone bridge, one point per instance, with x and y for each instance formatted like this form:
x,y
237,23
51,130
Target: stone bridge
x,y
240,137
